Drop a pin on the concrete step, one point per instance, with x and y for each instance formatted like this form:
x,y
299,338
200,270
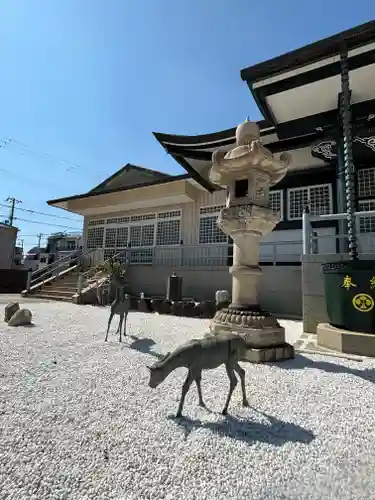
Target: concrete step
x,y
57,293
67,280
58,286
46,296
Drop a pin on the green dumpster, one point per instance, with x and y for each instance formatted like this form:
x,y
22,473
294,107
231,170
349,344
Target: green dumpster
x,y
350,294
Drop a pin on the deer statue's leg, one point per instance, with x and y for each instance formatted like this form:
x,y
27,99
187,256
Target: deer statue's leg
x,y
109,324
120,324
185,388
241,373
198,380
233,383
125,323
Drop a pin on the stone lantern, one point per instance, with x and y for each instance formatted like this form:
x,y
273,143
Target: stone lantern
x,y
247,171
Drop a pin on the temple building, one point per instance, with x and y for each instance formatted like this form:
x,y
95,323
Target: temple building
x,y
169,222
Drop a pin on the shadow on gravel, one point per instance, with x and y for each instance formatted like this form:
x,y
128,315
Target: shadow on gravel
x,y
276,433
144,346
301,362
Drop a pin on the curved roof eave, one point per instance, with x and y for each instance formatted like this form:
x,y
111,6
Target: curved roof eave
x,y
212,140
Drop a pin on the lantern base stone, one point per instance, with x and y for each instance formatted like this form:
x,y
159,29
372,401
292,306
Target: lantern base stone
x,y
260,330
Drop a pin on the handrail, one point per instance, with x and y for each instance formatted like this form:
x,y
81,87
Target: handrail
x,y
307,230
55,265
85,274
341,216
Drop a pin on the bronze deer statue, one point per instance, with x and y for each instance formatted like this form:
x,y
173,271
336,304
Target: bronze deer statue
x,y
204,354
121,304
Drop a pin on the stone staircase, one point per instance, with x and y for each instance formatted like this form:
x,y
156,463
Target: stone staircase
x,y
62,288
71,281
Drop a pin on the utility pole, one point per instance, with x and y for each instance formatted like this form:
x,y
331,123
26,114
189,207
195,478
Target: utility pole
x,y
40,236
12,202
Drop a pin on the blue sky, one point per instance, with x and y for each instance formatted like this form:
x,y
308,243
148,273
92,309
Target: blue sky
x,y
84,83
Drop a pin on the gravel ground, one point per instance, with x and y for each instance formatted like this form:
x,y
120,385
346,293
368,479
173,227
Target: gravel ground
x,y
78,420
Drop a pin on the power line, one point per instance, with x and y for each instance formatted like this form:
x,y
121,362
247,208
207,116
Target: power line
x,y
48,156
7,142
44,223
43,213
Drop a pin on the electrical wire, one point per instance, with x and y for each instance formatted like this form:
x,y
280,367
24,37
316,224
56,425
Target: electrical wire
x,y
40,222
41,213
9,141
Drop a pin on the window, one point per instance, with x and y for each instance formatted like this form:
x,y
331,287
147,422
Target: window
x,y
135,236
318,198
168,229
96,222
137,218
213,209
109,252
147,238
71,245
209,231
241,188
366,224
366,182
142,235
168,232
95,237
122,237
110,237
276,202
141,256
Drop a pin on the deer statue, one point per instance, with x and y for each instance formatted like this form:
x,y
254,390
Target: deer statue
x,y
203,354
121,305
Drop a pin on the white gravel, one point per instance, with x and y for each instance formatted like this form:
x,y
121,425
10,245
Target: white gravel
x,y
78,420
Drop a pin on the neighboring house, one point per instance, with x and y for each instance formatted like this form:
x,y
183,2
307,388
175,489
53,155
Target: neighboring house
x,y
18,256
59,245
32,258
8,237
169,222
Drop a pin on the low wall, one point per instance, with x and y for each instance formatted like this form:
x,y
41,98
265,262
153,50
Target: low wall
x,y
279,286
13,280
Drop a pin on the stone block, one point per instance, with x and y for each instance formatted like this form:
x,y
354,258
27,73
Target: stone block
x,y
314,312
205,309
144,305
10,310
161,306
22,317
345,341
269,354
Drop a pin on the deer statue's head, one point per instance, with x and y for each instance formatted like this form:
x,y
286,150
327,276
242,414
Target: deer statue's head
x,y
112,268
158,372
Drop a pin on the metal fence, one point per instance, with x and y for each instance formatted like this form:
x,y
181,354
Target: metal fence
x,y
213,255
311,242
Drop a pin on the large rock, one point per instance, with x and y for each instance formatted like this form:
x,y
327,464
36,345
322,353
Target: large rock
x,y
21,318
10,309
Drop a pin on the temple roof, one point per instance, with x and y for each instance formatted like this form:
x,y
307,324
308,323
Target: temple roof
x,y
298,91
194,152
298,94
130,176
